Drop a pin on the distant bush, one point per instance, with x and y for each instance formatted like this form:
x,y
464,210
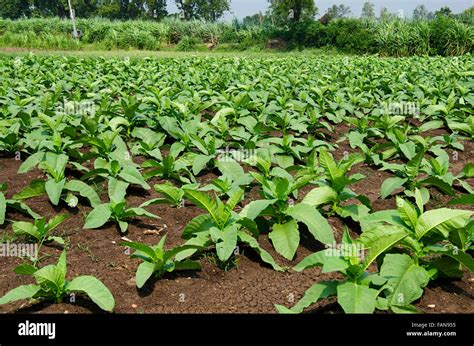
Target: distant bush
x,y
394,37
187,44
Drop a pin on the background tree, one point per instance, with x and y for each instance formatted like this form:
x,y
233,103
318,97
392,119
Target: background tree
x,y
14,9
420,12
188,9
300,9
109,9
156,9
444,11
212,10
338,11
467,16
385,14
368,10
255,19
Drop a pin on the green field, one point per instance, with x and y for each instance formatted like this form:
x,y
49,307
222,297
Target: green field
x,y
360,166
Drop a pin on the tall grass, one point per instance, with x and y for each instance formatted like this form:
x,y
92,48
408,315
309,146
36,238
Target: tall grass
x,y
443,36
399,38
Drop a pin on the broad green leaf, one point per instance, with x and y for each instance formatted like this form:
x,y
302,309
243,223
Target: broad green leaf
x,y
469,170
31,162
148,250
316,292
144,272
117,190
317,225
330,259
285,238
457,254
404,277
407,212
264,255
198,224
355,298
381,217
448,267
319,196
25,269
95,289
202,200
235,199
413,166
52,276
200,162
200,241
327,162
443,220
230,169
3,208
132,212
187,265
84,190
54,190
20,292
23,208
464,199
379,239
36,188
226,247
26,228
98,217
56,221
131,175
440,184
254,208
391,184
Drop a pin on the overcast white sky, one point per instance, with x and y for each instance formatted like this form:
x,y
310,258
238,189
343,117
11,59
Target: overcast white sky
x,y
242,8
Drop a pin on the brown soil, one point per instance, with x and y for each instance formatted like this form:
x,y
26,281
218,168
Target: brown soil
x,y
249,287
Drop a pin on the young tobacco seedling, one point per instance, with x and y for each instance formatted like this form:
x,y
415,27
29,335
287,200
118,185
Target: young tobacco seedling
x,y
407,176
358,293
221,227
232,178
56,184
434,243
51,284
278,204
116,210
208,152
171,167
113,160
334,187
157,261
149,143
40,231
11,203
171,195
283,151
438,170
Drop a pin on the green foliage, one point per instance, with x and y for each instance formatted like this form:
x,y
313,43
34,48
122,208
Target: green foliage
x,y
51,284
13,204
443,35
157,261
300,10
116,209
241,132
